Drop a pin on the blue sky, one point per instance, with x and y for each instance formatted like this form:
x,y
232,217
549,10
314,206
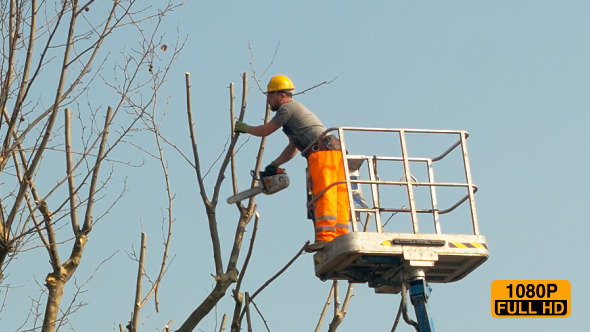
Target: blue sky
x,y
514,74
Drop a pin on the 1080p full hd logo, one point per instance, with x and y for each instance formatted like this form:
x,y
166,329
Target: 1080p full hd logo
x,y
531,298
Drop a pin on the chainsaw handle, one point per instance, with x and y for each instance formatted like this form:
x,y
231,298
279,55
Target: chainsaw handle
x,y
263,174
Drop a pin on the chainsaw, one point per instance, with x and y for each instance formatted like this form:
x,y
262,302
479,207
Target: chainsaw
x,y
269,184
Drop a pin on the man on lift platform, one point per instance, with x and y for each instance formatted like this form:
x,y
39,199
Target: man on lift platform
x,y
324,158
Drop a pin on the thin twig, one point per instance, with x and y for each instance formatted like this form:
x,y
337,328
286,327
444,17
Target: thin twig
x,y
315,86
260,314
325,309
256,80
278,274
223,321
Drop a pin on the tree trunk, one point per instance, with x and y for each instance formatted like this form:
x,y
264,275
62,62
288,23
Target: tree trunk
x,y
55,285
56,281
210,302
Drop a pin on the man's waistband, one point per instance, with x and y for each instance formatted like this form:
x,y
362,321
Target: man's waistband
x,y
328,142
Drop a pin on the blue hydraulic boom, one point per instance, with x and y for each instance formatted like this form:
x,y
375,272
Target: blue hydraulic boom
x,y
419,293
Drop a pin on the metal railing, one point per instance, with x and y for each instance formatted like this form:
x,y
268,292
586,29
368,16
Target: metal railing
x,y
371,179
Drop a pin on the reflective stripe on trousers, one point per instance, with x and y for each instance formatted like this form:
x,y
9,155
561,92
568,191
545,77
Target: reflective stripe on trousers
x,y
332,210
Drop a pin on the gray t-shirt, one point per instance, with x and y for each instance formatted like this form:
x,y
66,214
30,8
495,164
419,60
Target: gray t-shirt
x,y
299,123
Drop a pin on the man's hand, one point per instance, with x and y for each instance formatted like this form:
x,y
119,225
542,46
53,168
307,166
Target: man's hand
x,y
271,169
241,127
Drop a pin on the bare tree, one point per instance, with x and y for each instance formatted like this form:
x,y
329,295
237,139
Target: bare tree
x,y
57,49
230,275
224,277
151,124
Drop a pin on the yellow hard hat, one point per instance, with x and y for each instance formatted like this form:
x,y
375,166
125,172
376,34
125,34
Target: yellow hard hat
x,y
279,83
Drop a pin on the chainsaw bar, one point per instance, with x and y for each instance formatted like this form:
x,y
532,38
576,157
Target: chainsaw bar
x,y
244,194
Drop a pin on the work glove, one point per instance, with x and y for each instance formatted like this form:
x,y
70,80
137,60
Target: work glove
x,y
271,169
241,127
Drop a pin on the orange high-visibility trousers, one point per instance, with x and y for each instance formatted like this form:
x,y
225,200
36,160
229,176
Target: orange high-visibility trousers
x,y
332,210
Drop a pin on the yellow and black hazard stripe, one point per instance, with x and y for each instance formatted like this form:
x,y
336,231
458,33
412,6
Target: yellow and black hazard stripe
x,y
468,245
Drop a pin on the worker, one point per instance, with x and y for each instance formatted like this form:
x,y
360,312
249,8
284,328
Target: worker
x,y
324,158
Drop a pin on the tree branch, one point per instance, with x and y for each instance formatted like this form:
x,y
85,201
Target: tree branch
x,y
325,309
237,294
54,110
138,285
69,172
340,313
92,190
209,206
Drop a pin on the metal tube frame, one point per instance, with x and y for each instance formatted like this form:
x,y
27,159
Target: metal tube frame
x,y
374,181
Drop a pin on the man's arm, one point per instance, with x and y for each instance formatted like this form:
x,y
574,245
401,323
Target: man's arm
x,y
263,130
288,153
